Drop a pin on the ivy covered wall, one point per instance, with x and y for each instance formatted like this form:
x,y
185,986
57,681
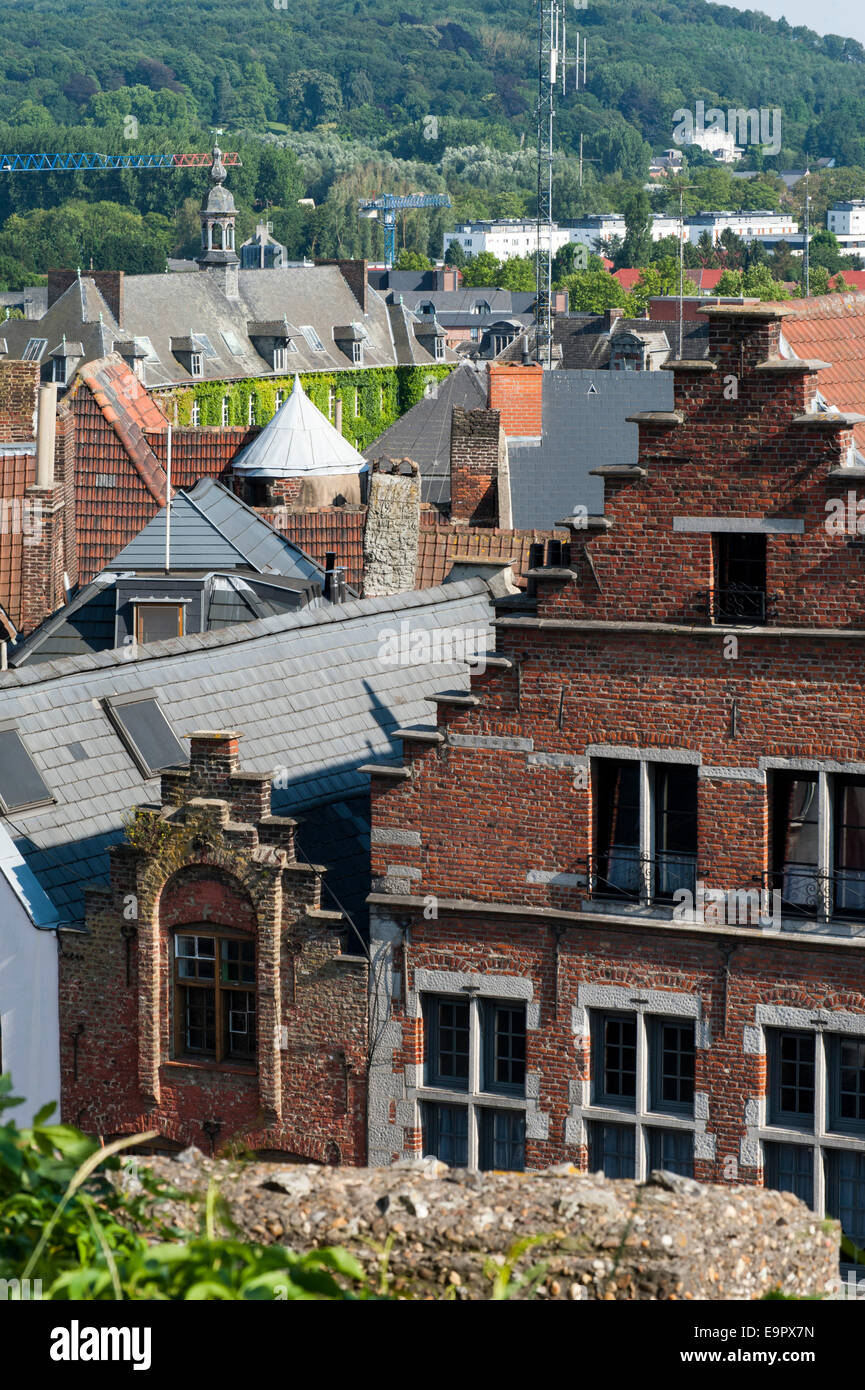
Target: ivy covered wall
x,y
372,398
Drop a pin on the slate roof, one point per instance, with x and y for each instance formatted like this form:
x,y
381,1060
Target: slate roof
x,y
246,564
584,427
168,308
307,690
584,339
463,301
831,327
423,434
299,442
211,528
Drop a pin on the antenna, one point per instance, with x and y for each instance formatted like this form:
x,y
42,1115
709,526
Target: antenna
x,y
553,63
168,503
807,232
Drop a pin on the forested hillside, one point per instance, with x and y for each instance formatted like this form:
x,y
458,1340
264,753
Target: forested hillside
x,y
333,101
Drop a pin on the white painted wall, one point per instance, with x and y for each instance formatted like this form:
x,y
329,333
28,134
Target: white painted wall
x,y
29,1023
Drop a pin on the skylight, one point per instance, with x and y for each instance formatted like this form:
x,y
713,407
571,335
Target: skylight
x,y
145,732
21,783
205,344
312,337
34,349
145,342
232,342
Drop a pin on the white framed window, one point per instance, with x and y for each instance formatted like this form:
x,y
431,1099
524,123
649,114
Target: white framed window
x,y
196,413
226,411
641,1114
644,833
250,413
813,1126
59,370
439,349
331,404
817,843
473,1097
279,399
357,353
280,359
196,363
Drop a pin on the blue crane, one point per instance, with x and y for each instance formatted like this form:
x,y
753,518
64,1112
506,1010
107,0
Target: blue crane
x,y
68,163
389,204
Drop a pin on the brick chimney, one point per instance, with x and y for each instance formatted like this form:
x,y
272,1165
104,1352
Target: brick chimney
x,y
610,316
49,560
19,388
108,282
354,275
478,451
515,391
213,773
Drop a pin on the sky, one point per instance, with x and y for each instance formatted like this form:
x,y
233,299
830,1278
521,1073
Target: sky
x,y
844,17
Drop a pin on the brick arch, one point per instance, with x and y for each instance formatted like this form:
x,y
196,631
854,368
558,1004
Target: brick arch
x,y
205,893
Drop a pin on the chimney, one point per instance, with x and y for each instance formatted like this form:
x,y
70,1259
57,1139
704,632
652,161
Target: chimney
x,y
477,446
214,754
19,389
610,316
516,392
46,427
392,530
354,275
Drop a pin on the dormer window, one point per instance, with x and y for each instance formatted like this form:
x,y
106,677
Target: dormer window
x,y
481,306
59,370
427,307
357,354
196,363
440,349
280,355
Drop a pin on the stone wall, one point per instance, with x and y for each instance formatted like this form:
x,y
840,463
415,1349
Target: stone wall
x,y
670,1238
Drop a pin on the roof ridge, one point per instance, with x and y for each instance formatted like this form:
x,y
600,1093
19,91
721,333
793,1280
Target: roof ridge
x,y
238,633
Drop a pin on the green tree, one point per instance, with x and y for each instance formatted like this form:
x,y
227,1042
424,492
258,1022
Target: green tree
x,y
412,260
593,291
518,273
455,255
483,269
637,245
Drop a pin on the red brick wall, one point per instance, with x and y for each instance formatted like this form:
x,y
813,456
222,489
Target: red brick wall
x,y
305,1094
733,456
474,465
484,823
516,392
19,390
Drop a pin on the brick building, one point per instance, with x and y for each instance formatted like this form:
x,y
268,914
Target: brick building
x,y
619,891
217,1000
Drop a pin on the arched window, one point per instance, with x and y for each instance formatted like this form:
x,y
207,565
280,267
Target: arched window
x,y
214,995
217,236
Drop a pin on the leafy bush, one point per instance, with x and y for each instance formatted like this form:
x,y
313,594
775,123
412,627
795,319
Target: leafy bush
x,y
63,1223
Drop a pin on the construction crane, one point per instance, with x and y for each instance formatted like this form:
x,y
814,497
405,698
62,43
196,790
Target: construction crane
x,y
389,204
69,163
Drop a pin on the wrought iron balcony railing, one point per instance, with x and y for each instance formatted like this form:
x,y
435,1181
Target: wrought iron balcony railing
x,y
624,874
808,892
739,603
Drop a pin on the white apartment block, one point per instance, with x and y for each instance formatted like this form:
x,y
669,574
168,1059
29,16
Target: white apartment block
x,y
768,227
847,221
510,237
505,238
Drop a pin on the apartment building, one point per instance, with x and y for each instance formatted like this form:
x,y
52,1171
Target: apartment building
x,y
618,907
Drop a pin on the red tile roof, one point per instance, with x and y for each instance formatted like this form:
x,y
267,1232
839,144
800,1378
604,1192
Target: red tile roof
x,y
832,327
441,544
130,411
856,278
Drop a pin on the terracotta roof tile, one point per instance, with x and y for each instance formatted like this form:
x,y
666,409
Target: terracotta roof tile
x,y
832,327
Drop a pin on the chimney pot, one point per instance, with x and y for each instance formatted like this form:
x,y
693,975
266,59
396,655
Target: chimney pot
x,y
46,426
